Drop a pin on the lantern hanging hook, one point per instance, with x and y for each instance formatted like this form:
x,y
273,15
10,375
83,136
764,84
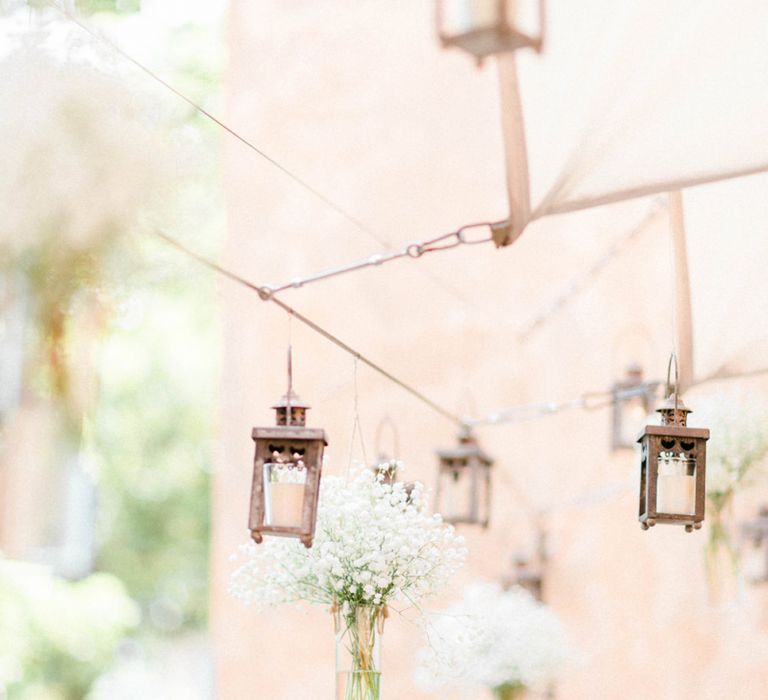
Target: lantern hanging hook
x,y
387,421
669,390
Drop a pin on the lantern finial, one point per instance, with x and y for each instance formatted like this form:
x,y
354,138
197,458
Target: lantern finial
x,y
290,409
673,411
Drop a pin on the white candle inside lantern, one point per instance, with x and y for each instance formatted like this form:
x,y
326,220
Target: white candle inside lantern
x,y
675,488
284,494
286,504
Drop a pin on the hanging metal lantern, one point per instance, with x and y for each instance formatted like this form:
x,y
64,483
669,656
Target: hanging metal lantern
x,y
463,493
528,571
386,467
286,472
632,399
754,554
673,466
487,27
526,574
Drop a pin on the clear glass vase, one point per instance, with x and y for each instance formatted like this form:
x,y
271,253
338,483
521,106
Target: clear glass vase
x,y
358,652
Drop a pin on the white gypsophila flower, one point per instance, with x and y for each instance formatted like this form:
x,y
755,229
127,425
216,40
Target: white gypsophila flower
x,y
79,161
738,424
492,638
374,543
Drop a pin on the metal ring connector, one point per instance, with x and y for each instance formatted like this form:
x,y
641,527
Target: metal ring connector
x,y
414,250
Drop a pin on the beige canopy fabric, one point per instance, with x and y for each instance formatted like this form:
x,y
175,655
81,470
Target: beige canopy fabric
x,y
633,98
637,98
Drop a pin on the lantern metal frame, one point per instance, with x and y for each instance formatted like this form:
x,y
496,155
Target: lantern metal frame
x,y
756,532
500,37
289,436
672,434
467,455
627,389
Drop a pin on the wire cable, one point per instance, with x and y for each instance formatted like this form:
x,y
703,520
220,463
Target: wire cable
x,y
266,294
250,144
341,211
447,241
593,400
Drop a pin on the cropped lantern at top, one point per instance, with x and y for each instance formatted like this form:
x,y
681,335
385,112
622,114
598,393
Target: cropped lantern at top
x,y
673,468
632,399
286,473
463,493
487,27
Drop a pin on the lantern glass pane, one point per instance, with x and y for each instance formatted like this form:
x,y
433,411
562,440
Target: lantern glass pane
x,y
284,486
676,484
464,16
457,492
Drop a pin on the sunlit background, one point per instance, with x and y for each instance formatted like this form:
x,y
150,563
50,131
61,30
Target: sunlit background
x,y
131,375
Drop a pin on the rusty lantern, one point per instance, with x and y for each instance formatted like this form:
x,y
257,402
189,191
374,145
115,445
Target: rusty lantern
x,y
526,574
286,472
386,472
463,493
528,571
487,27
386,469
673,466
755,552
632,399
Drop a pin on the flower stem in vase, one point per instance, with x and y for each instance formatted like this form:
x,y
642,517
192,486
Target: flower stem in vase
x,y
509,691
358,667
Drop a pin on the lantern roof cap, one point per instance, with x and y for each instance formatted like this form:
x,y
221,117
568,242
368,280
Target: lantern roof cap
x,y
669,405
467,447
291,398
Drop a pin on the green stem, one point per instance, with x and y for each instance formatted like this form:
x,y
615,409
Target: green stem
x,y
362,678
509,691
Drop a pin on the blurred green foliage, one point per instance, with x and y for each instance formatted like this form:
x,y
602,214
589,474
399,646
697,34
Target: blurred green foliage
x,y
117,6
89,7
152,431
56,636
150,435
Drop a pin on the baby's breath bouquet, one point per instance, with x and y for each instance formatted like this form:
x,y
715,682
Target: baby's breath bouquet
x,y
375,543
505,641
